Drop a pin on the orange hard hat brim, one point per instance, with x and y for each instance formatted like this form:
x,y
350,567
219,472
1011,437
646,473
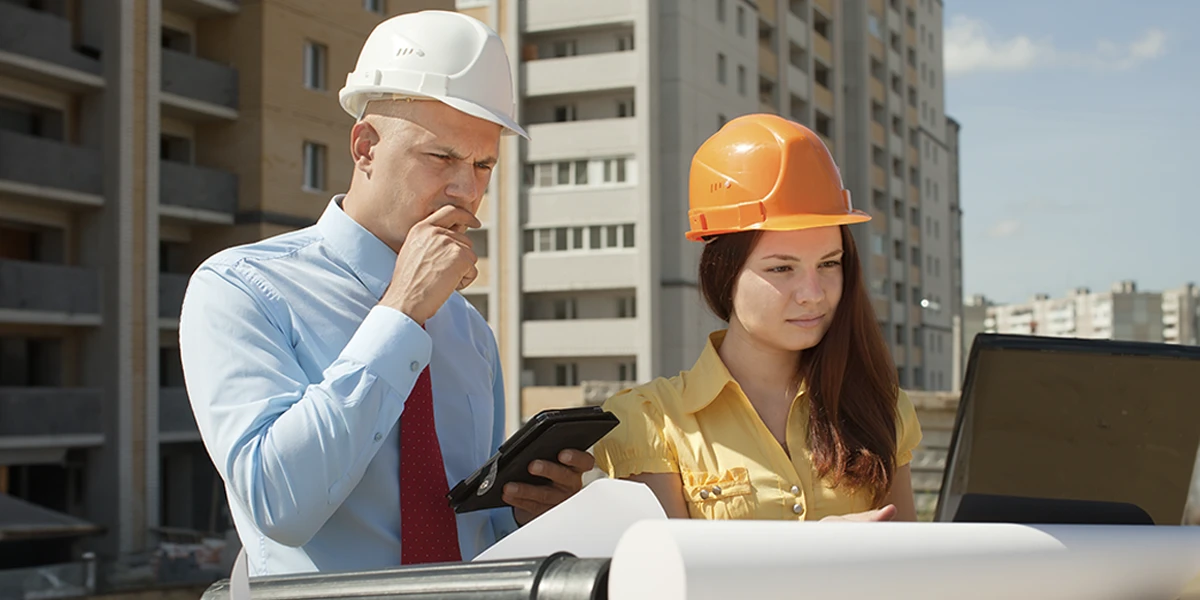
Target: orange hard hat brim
x,y
787,223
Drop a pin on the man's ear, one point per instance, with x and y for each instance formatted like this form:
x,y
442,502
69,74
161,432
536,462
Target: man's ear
x,y
363,140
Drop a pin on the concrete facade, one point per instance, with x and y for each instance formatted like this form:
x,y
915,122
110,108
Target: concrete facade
x,y
592,210
1122,313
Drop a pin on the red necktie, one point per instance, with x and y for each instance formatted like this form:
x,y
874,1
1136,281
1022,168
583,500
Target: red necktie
x,y
428,530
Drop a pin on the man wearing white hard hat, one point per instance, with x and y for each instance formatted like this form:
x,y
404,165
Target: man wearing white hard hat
x,y
339,382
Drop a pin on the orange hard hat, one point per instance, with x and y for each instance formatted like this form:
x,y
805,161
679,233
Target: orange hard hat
x,y
765,172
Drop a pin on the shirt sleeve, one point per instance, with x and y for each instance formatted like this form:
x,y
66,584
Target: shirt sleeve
x,y
908,434
290,451
639,443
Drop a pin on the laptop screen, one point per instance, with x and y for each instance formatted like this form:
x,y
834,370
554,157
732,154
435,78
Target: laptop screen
x,y
1076,419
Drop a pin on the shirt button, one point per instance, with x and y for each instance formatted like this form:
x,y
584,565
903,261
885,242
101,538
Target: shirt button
x,y
795,490
716,490
378,436
796,508
704,494
415,366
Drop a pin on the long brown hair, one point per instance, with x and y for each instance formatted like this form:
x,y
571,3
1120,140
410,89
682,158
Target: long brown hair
x,y
850,376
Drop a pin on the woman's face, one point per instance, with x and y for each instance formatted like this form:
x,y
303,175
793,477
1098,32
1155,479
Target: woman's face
x,y
788,291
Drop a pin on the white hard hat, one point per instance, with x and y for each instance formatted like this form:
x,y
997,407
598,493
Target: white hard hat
x,y
435,54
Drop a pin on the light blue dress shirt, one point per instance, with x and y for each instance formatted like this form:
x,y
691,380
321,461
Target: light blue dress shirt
x,y
298,379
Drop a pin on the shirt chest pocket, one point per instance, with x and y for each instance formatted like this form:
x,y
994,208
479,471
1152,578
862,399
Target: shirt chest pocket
x,y
714,495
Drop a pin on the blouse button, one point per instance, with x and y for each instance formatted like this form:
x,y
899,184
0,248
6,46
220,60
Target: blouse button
x,y
704,494
795,490
796,508
716,490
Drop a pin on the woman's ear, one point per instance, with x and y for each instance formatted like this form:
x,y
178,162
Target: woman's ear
x,y
363,140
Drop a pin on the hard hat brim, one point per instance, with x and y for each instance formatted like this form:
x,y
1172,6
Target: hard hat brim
x,y
510,126
787,223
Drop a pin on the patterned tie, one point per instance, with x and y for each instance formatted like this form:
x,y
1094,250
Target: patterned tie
x,y
428,530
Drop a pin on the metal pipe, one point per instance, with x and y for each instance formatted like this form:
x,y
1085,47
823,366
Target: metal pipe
x,y
557,577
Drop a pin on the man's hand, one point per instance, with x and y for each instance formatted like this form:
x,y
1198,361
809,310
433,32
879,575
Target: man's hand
x,y
886,513
529,501
435,260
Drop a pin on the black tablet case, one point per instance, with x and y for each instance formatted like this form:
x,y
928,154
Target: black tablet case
x,y
545,435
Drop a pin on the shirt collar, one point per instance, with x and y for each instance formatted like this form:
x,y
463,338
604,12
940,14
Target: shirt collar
x,y
709,377
367,256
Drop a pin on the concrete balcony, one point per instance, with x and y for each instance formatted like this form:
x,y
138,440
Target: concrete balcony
x,y
582,206
176,422
826,7
567,271
878,134
197,193
910,36
50,418
878,178
876,49
798,83
878,94
912,116
40,169
914,155
914,193
579,338
550,15
198,89
768,61
171,287
48,294
797,29
538,398
201,9
578,74
583,139
822,49
823,99
896,144
37,46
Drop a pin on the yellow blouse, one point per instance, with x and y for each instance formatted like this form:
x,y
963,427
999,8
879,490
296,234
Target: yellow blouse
x,y
701,425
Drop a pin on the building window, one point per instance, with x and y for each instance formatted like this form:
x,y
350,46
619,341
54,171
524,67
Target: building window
x,y
824,124
916,300
900,331
898,211
565,308
564,113
627,236
912,58
564,48
897,167
625,108
898,250
821,25
912,96
375,6
916,217
916,256
720,68
896,47
876,69
821,74
741,20
721,11
918,378
913,139
625,42
911,16
878,200
896,85
566,374
626,307
314,65
879,157
741,83
877,244
877,113
314,166
898,126
614,170
899,297
627,371
873,26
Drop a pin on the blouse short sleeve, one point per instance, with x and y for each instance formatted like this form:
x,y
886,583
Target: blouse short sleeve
x,y
639,444
908,434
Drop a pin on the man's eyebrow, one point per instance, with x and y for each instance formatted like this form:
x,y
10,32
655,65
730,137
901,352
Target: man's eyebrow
x,y
456,155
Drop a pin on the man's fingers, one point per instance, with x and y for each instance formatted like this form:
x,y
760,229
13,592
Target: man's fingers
x,y
469,278
533,496
563,476
454,218
581,462
886,513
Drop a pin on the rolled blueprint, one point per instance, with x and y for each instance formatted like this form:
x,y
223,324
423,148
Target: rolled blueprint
x,y
724,560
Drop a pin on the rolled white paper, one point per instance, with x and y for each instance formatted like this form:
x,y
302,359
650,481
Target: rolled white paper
x,y
736,560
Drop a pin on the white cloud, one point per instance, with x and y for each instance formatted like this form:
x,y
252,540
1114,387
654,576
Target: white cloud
x,y
1004,229
970,47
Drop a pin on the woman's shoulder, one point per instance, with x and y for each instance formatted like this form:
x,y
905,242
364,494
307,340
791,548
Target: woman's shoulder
x,y
657,393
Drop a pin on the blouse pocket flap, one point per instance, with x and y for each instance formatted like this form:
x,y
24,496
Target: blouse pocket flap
x,y
704,486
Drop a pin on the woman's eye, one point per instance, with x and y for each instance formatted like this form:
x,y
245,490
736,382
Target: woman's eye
x,y
829,264
780,269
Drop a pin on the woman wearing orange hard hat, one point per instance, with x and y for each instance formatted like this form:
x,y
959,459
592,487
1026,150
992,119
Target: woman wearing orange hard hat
x,y
793,411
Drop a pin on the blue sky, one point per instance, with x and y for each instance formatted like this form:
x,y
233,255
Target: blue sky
x,y
1080,147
